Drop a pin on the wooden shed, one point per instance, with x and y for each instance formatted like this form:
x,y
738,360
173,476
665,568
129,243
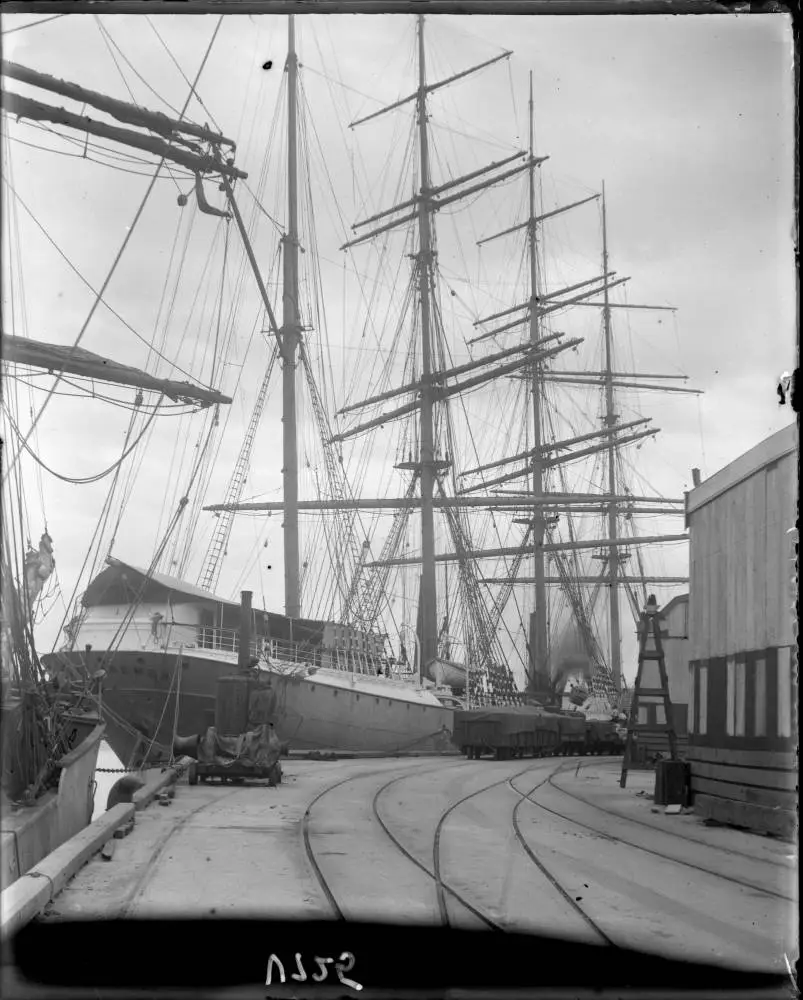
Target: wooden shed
x,y
742,639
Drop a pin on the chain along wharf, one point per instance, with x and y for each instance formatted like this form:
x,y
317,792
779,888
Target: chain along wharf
x,y
551,844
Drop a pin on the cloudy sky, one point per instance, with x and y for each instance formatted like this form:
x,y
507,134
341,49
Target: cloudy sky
x,y
687,120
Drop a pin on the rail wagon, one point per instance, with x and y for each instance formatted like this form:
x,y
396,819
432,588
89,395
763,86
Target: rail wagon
x,y
519,731
572,733
515,731
602,738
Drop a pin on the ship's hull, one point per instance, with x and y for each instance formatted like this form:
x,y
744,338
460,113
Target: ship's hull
x,y
32,833
326,710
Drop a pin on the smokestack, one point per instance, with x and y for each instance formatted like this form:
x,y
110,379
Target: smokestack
x,y
695,477
244,653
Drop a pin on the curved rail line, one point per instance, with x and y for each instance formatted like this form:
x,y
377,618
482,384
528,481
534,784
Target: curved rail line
x,y
442,888
647,850
540,865
671,833
305,820
159,849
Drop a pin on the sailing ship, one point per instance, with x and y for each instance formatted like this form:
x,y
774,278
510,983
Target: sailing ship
x,y
52,720
165,642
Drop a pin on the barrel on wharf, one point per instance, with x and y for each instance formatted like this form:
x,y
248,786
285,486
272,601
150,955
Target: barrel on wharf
x,y
743,640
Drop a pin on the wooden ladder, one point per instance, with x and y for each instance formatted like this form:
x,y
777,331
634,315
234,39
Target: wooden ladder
x,y
649,626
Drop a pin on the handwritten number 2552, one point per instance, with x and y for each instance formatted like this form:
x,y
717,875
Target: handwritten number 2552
x,y
346,964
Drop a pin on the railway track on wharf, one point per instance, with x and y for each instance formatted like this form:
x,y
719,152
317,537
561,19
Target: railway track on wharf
x,y
324,883
532,856
488,846
573,903
116,896
454,904
788,865
160,848
655,834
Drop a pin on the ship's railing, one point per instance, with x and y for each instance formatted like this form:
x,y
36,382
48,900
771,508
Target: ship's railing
x,y
189,635
225,640
349,661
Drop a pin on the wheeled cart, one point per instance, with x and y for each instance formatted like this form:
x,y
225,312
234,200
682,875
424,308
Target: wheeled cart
x,y
236,773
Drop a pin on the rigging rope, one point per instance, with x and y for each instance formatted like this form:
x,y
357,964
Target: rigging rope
x,y
69,607
108,654
107,40
85,145
86,479
33,24
90,159
129,233
13,215
216,549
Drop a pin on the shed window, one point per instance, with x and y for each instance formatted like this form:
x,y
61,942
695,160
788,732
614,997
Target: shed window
x,y
784,692
760,699
702,727
690,709
730,694
741,667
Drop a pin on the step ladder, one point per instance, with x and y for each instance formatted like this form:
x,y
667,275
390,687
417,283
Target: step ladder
x,y
649,628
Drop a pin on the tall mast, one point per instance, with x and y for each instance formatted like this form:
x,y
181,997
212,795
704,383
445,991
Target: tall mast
x,y
610,420
290,333
530,360
538,636
428,595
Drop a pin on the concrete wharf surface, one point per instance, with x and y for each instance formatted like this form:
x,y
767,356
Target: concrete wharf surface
x,y
550,845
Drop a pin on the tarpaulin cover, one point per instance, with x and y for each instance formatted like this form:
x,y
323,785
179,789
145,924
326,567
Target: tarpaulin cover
x,y
504,721
259,749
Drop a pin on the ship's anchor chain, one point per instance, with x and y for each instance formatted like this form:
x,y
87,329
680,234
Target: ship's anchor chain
x,y
127,770
115,770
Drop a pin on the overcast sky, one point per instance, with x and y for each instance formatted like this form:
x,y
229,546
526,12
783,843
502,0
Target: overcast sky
x,y
687,120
